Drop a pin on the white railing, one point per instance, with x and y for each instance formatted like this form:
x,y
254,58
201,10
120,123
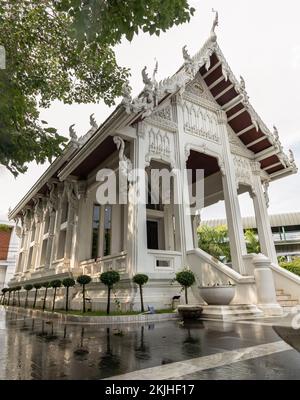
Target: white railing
x,y
116,262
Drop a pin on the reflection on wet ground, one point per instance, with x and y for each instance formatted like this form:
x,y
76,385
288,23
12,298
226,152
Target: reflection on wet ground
x,y
41,349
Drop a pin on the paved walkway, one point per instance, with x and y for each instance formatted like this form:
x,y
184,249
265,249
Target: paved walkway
x,y
265,348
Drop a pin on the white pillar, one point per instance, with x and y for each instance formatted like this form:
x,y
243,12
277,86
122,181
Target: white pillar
x,y
137,216
182,186
263,221
266,293
233,212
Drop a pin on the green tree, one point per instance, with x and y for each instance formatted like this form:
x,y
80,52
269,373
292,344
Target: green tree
x,y
37,286
27,287
292,266
56,283
83,280
46,285
252,242
109,279
67,283
214,241
140,280
63,50
4,291
186,279
9,295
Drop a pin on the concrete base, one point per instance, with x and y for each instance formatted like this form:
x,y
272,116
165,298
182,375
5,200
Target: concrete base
x,y
271,310
231,312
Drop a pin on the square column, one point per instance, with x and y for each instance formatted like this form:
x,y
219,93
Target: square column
x,y
137,215
262,220
182,188
234,219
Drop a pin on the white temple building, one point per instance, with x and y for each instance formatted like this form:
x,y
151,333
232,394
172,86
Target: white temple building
x,y
200,118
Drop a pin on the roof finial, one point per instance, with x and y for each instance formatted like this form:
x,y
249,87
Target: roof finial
x,y
72,133
215,24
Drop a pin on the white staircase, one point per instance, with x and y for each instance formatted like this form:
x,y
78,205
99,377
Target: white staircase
x,y
286,301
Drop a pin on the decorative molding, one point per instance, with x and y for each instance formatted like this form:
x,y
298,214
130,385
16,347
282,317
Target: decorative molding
x,y
202,148
159,147
147,99
90,132
125,163
243,171
200,122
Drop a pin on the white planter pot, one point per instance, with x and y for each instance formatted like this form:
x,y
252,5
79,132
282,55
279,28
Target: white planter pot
x,y
217,295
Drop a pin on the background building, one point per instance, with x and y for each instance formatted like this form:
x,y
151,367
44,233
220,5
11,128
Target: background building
x,y
285,229
9,245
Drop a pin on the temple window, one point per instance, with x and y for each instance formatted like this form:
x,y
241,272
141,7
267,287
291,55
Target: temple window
x,y
107,230
95,231
33,232
61,244
44,250
47,223
64,212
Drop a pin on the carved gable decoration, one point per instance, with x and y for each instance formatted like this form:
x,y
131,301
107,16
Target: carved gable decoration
x,y
198,89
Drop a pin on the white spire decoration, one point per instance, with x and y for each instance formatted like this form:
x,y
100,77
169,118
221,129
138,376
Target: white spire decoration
x,y
213,35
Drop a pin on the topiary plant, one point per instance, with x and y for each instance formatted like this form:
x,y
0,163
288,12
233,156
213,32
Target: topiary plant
x,y
83,280
186,279
27,287
4,291
18,288
109,279
67,283
45,285
141,279
56,283
37,286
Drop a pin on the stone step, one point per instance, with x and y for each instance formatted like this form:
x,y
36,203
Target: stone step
x,y
288,303
281,297
279,292
230,312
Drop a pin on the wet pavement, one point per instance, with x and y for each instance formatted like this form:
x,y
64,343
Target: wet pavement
x,y
41,349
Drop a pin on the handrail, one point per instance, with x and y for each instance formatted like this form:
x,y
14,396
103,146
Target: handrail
x,y
231,273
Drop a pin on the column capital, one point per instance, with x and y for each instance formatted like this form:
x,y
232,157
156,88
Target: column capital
x,y
221,117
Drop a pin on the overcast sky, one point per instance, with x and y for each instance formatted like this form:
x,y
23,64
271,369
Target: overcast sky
x,y
261,41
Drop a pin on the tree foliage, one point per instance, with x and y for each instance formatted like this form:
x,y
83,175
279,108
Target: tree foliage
x,y
186,279
109,279
63,50
215,241
141,279
292,266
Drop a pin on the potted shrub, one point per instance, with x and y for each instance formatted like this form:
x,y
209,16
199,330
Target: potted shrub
x,y
140,280
27,287
4,291
56,283
45,285
186,279
37,286
67,283
218,293
83,280
109,279
18,288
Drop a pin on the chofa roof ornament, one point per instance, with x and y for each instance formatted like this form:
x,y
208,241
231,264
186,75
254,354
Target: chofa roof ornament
x,y
73,134
213,35
147,99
